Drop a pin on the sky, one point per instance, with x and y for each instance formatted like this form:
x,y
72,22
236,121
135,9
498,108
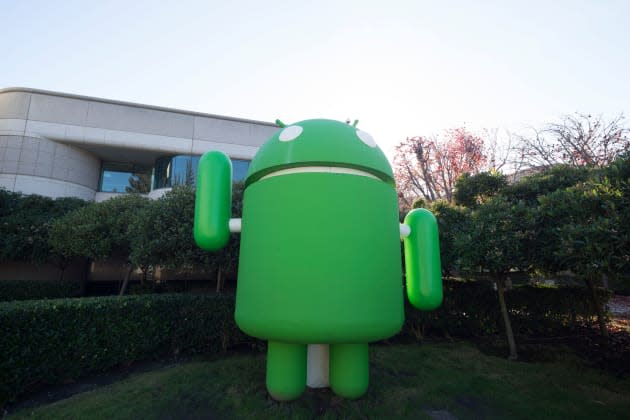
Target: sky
x,y
402,68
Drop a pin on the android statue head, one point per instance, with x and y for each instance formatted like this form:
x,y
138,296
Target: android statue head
x,y
320,143
320,257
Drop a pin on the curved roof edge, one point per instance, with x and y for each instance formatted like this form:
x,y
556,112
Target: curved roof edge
x,y
132,104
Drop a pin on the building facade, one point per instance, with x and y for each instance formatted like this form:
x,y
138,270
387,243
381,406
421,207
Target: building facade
x,y
59,145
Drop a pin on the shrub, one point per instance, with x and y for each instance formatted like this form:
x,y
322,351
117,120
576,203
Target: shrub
x,y
31,289
25,222
471,309
50,341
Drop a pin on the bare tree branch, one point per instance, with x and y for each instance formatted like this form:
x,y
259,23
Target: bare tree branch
x,y
579,139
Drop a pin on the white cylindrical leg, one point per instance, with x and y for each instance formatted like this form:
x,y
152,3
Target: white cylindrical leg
x,y
317,366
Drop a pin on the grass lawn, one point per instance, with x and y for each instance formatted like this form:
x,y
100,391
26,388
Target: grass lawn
x,y
407,381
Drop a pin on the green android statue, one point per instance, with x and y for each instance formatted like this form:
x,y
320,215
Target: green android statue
x,y
320,257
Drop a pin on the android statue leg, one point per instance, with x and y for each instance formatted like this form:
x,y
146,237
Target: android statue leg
x,y
349,369
286,370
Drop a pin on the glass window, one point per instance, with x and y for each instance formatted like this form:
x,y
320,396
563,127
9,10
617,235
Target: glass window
x,y
125,178
182,170
175,170
239,169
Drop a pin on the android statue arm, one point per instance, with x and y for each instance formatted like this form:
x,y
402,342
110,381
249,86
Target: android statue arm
x,y
213,202
422,259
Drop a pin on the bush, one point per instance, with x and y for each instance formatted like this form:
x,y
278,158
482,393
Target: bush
x,y
471,309
25,222
50,341
30,289
548,311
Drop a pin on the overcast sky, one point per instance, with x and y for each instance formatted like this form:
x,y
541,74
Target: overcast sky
x,y
402,68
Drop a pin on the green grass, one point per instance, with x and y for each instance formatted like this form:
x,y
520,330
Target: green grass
x,y
406,382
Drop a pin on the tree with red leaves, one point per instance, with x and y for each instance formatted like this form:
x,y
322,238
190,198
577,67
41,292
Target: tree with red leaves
x,y
428,168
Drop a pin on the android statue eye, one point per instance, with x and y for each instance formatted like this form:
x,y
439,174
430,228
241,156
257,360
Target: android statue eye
x,y
290,133
366,138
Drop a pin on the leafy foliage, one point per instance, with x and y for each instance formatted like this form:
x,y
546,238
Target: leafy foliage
x,y
163,235
471,309
452,222
474,190
98,230
497,237
587,233
55,340
530,188
25,222
51,341
30,289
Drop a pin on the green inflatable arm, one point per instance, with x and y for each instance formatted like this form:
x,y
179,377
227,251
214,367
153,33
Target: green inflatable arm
x,y
422,260
213,201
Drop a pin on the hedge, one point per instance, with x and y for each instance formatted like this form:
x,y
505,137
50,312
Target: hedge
x,y
471,308
33,289
50,341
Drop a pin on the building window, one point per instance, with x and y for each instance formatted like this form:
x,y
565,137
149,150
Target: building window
x,y
182,170
239,169
125,178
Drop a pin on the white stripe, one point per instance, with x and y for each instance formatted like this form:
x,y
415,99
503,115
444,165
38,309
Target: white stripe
x,y
315,169
235,225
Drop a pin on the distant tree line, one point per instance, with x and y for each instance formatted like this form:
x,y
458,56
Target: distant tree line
x,y
427,167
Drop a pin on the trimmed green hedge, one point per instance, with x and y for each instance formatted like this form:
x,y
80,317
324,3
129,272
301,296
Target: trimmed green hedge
x,y
33,289
50,341
472,309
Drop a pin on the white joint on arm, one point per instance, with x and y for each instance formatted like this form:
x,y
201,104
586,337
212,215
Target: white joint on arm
x,y
404,231
235,225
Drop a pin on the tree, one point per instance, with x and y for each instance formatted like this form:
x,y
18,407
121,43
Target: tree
x,y
452,221
530,188
495,240
163,236
100,230
618,175
579,139
473,190
500,149
427,168
25,222
589,235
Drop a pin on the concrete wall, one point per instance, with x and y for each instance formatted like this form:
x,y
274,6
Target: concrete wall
x,y
42,166
86,120
53,143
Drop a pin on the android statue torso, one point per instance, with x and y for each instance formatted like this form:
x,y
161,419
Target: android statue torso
x,y
320,254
